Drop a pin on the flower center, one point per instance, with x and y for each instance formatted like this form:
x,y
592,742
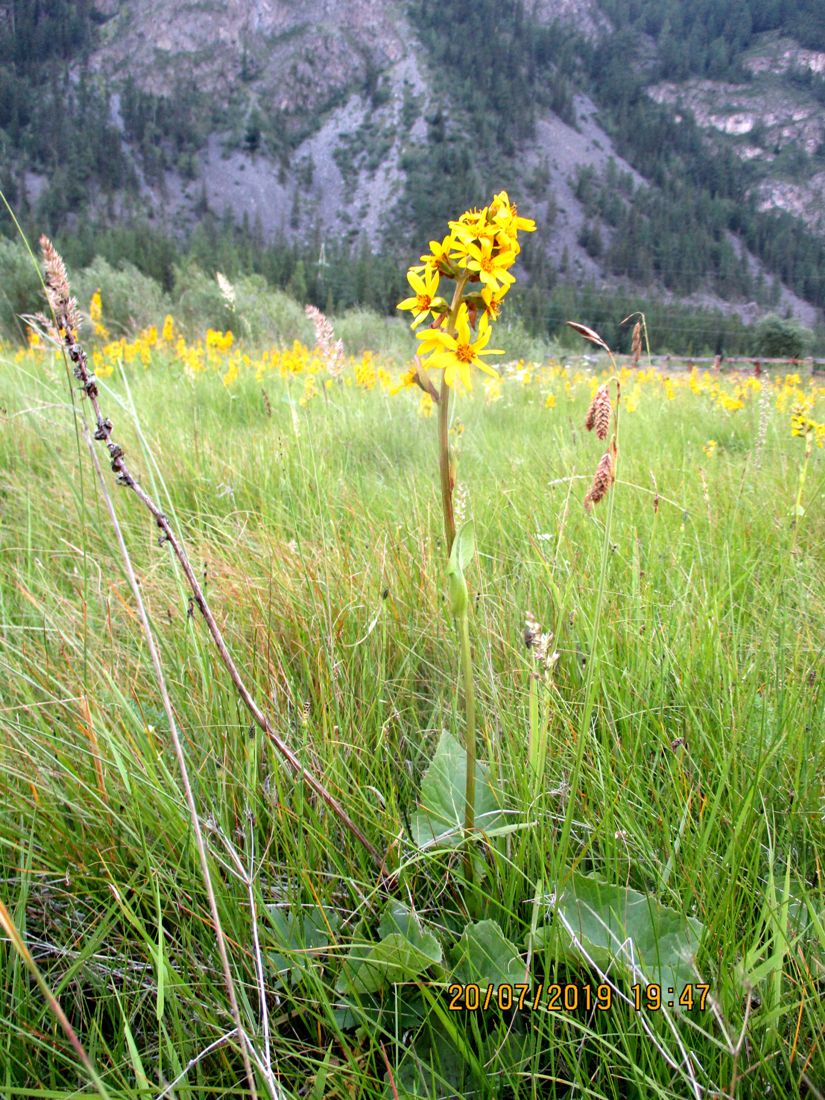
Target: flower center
x,y
424,301
464,353
486,263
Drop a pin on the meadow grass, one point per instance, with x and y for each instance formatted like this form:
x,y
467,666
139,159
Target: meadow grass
x,y
316,530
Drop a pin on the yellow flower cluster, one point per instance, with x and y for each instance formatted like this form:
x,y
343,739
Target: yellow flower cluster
x,y
477,255
96,316
557,385
805,427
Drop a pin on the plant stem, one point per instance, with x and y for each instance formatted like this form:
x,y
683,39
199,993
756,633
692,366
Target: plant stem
x,y
447,484
125,477
590,681
803,472
470,715
444,464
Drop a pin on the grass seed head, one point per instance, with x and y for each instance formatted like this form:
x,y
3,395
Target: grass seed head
x,y
636,343
599,413
602,480
57,288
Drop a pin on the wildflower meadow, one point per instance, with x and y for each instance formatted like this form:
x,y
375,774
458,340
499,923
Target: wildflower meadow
x,y
445,724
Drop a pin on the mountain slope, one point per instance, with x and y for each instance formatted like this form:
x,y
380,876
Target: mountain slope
x,y
369,123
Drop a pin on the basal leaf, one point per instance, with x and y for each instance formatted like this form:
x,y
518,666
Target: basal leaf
x,y
404,951
617,925
439,821
297,938
487,957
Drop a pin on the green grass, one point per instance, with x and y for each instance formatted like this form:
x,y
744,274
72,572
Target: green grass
x,y
321,551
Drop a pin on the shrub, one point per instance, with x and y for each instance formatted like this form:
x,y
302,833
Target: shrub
x,y
131,300
19,286
782,339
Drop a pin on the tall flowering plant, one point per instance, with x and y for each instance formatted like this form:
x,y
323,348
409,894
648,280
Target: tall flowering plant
x,y
476,257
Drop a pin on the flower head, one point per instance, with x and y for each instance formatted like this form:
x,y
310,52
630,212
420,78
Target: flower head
x,y
457,354
424,301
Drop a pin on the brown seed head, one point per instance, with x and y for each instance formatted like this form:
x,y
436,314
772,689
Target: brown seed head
x,y
636,345
532,630
603,412
598,415
57,289
602,480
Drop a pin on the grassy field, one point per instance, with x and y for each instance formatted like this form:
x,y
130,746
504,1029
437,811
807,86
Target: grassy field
x,y
673,833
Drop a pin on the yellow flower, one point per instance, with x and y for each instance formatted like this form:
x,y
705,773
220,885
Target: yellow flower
x,y
710,448
424,301
456,354
493,299
96,316
439,256
168,331
472,225
493,270
505,214
550,402
406,382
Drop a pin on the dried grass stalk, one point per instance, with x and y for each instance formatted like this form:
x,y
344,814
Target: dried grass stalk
x,y
67,321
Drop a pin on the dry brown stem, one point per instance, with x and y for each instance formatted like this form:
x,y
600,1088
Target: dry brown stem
x,y
67,324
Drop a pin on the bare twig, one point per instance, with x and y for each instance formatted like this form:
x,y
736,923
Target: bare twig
x,y
247,876
66,319
221,1041
200,843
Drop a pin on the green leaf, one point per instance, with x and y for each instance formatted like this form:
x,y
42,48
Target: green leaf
x,y
465,545
460,557
405,951
615,924
439,821
486,956
298,938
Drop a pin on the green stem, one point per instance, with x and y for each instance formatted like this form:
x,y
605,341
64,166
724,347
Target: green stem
x,y
444,464
803,472
590,681
470,715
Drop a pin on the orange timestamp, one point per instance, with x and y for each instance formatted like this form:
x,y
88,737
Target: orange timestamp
x,y
571,997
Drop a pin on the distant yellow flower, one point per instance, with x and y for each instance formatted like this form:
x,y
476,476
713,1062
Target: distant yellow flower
x,y
168,331
96,315
550,402
424,302
457,354
710,448
806,428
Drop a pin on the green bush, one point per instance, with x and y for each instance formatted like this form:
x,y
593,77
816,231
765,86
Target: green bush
x,y
131,300
267,315
198,302
19,287
362,330
776,338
